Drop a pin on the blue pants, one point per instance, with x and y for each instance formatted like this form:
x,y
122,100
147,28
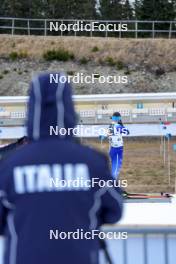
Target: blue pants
x,y
116,155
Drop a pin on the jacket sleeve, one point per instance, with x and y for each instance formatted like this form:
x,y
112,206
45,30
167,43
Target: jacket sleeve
x,y
3,213
108,201
4,205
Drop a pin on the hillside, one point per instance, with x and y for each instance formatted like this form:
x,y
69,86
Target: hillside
x,y
149,64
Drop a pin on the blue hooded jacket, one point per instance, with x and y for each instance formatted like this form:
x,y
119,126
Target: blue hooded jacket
x,y
34,212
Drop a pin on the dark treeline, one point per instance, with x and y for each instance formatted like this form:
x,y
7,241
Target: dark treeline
x,y
90,9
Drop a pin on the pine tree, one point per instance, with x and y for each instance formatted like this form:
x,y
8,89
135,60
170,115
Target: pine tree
x,y
111,9
38,9
127,10
72,9
155,9
2,11
79,9
11,8
55,9
137,8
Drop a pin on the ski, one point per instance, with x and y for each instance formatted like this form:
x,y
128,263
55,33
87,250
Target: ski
x,y
146,196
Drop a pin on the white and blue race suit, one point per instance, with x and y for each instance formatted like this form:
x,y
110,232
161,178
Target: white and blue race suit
x,y
116,132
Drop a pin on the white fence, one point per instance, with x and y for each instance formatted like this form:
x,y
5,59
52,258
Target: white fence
x,y
135,28
90,116
143,246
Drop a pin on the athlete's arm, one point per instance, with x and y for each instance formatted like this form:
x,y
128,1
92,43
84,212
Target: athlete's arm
x,y
122,130
110,130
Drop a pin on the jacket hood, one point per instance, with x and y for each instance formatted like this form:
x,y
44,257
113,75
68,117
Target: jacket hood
x,y
50,105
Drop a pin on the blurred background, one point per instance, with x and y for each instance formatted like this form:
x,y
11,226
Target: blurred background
x,y
145,53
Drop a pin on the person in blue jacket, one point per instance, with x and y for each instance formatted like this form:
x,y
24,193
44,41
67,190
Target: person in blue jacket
x,y
46,190
116,131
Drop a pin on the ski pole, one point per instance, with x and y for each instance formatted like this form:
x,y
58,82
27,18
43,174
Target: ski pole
x,y
164,150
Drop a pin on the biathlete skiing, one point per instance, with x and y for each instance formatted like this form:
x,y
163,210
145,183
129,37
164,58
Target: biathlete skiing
x,y
115,134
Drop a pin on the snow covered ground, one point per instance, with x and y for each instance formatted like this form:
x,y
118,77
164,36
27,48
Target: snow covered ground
x,y
150,214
